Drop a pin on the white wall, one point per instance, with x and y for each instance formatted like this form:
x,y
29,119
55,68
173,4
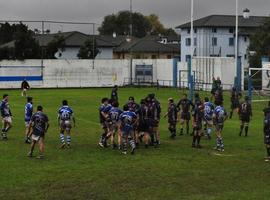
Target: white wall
x,y
80,73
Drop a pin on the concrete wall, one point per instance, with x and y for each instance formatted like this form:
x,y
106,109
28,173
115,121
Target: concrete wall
x,y
78,73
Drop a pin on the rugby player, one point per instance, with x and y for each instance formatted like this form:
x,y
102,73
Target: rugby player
x,y
208,117
128,119
27,117
198,115
218,97
114,125
39,125
114,94
6,116
184,106
24,86
65,119
245,113
220,116
235,103
266,130
172,117
104,117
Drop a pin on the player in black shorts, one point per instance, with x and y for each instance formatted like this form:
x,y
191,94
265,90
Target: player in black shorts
x,y
245,113
143,128
235,103
172,117
157,120
266,130
184,106
197,115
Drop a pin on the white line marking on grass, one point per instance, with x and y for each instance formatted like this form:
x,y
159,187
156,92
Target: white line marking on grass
x,y
224,155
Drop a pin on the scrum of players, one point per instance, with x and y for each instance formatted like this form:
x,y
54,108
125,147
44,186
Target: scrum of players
x,y
138,124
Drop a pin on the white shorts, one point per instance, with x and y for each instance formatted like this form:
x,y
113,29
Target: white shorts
x,y
7,120
27,124
37,138
24,89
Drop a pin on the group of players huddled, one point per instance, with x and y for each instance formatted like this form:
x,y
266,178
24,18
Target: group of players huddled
x,y
134,124
137,124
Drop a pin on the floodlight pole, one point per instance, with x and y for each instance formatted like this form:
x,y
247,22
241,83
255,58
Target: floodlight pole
x,y
190,77
236,39
130,37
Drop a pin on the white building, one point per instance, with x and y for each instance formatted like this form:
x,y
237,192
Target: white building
x,y
214,36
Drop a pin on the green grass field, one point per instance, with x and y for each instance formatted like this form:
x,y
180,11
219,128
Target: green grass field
x,y
173,171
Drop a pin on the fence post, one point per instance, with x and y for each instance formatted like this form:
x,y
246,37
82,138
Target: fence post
x,y
250,87
239,74
175,63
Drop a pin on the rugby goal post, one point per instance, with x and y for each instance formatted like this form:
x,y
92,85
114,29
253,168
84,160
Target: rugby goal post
x,y
265,82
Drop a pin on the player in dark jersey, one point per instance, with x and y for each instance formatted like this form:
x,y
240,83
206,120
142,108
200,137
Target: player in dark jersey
x,y
6,116
218,96
128,119
197,100
24,86
143,128
156,138
39,126
198,115
184,106
245,113
215,86
104,119
235,103
220,116
28,112
65,119
114,94
172,117
114,124
266,130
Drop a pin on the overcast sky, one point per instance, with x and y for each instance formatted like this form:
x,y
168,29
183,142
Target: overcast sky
x,y
171,12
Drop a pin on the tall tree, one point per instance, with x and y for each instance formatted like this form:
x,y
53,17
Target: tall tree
x,y
156,26
88,50
120,24
260,44
58,43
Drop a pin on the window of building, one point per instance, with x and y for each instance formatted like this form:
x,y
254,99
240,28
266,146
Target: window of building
x,y
230,55
154,56
195,41
231,41
188,57
231,30
245,39
188,30
245,56
214,30
195,30
214,41
169,56
188,42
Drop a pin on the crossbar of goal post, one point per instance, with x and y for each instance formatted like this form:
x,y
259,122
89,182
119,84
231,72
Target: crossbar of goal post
x,y
250,86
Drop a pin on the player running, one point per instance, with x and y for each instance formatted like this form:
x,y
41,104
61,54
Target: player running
x,y
25,86
198,115
114,124
39,125
65,119
208,117
172,117
266,130
6,116
27,118
184,106
128,119
220,116
235,103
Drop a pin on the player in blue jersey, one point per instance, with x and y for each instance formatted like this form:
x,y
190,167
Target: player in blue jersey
x,y
28,112
208,117
6,116
65,119
39,125
220,116
104,121
128,119
114,124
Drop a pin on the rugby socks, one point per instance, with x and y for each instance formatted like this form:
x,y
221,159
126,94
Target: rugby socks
x,y
198,140
68,139
62,138
187,128
241,130
4,134
246,130
221,143
217,143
